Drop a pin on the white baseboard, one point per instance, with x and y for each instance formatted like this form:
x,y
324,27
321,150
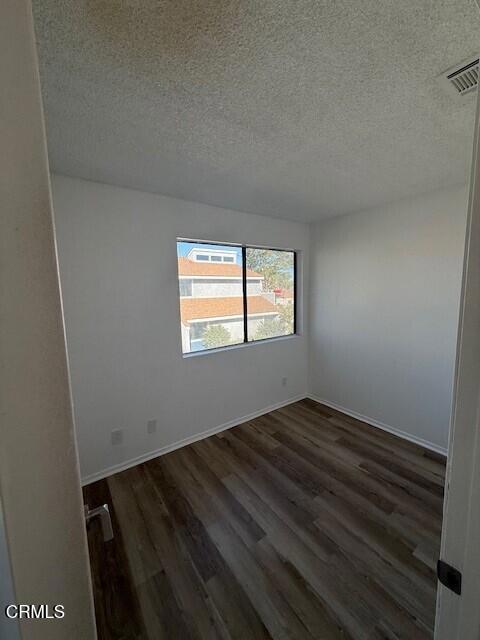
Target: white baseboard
x,y
384,427
127,464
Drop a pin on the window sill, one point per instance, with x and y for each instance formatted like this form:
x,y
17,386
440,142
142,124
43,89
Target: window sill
x,y
242,345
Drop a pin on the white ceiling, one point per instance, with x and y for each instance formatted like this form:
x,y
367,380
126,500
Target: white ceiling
x,y
300,109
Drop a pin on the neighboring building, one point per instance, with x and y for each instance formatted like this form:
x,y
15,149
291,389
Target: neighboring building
x,y
210,282
283,296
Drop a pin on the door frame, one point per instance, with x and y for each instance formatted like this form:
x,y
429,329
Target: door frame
x,y
458,616
44,525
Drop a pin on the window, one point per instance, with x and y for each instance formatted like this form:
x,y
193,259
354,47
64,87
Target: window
x,y
185,287
238,294
277,287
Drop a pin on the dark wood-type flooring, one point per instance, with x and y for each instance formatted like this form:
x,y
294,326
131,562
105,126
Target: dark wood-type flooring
x,y
303,523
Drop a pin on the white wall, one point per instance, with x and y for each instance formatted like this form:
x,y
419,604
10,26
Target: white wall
x,y
384,312
117,250
39,479
384,309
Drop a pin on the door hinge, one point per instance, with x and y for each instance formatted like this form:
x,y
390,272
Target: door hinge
x,y
449,577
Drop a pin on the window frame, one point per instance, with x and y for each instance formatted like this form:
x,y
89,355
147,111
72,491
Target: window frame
x,y
244,248
245,293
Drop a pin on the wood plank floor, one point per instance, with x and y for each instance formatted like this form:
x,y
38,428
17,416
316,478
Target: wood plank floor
x,y
303,523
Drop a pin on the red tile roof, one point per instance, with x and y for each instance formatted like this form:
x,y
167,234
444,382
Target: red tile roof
x,y
188,267
199,308
284,293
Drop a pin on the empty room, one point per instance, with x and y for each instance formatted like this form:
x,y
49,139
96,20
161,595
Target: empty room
x,y
240,305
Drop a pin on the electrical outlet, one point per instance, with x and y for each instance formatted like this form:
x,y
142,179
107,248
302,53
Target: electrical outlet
x,y
151,426
284,382
117,436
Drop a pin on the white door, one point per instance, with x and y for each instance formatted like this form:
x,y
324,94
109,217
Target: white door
x,y
45,541
458,616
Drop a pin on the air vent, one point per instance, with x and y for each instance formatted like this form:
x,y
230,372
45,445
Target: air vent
x,y
463,78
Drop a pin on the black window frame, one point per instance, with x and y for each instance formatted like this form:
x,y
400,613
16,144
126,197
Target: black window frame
x,y
244,248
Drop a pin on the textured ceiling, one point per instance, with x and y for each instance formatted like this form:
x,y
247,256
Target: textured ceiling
x,y
300,109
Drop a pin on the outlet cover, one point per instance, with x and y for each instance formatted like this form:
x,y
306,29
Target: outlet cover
x,y
117,436
151,426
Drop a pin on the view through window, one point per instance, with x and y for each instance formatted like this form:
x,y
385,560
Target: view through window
x,y
277,287
213,281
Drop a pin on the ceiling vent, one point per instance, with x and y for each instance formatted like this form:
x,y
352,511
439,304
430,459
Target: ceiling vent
x,y
462,78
